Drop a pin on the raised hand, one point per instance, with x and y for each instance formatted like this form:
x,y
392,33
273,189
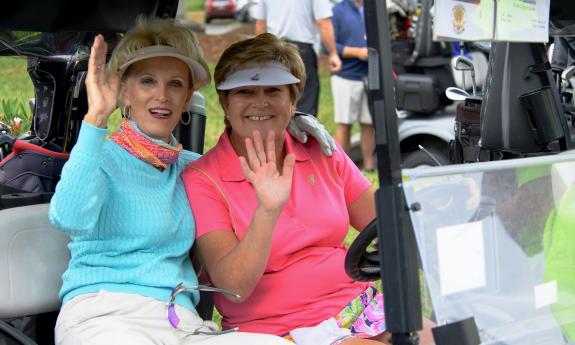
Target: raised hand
x,y
102,91
272,188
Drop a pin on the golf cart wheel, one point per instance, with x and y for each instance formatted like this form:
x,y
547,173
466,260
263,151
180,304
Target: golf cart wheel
x,y
362,264
420,159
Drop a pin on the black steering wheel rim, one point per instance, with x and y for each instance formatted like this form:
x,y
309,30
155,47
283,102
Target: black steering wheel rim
x,y
361,265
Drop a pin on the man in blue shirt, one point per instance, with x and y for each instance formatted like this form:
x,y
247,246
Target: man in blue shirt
x,y
348,88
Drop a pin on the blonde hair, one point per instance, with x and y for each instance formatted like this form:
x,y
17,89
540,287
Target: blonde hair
x,y
256,51
158,31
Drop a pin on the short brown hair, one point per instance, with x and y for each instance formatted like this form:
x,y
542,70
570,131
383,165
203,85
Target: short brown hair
x,y
257,51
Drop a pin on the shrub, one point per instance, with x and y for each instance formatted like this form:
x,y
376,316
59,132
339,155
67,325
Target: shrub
x,y
15,118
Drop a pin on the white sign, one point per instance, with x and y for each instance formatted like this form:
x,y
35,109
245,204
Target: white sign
x,y
461,257
492,20
545,294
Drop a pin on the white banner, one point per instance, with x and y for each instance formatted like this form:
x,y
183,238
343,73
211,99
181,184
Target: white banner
x,y
491,20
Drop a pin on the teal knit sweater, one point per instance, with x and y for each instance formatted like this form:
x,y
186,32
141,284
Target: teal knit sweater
x,y
130,225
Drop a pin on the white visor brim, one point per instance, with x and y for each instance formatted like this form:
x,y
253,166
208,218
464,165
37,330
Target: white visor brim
x,y
271,73
199,74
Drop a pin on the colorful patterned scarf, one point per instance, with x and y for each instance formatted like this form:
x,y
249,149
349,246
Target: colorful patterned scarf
x,y
160,156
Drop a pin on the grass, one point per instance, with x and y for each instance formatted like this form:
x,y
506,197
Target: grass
x,y
15,90
15,82
194,5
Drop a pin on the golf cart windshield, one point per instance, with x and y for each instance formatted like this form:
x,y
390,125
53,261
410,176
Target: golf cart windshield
x,y
496,244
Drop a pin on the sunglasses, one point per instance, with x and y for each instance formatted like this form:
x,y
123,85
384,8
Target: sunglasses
x,y
175,320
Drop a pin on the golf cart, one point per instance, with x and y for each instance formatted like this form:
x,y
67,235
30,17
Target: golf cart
x,y
494,238
56,47
423,70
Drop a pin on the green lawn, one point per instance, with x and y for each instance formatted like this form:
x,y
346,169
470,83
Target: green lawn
x,y
194,5
14,81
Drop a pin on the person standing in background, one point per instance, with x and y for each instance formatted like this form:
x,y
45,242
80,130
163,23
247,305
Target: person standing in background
x,y
347,85
298,22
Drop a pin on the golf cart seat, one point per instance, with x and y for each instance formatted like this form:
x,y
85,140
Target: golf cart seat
x,y
425,72
33,256
426,52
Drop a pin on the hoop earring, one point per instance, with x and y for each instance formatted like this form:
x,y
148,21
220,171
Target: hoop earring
x,y
126,112
185,123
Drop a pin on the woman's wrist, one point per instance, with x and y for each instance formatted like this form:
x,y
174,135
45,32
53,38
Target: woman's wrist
x,y
269,212
97,120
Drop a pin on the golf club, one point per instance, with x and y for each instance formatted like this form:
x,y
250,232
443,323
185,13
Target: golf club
x,y
464,64
456,94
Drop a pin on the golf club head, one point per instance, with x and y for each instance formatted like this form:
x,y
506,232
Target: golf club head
x,y
456,94
463,64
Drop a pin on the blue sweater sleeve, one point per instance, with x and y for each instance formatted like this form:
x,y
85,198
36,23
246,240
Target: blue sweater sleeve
x,y
82,189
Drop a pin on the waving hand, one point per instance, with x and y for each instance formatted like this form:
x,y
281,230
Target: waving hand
x,y
272,188
102,91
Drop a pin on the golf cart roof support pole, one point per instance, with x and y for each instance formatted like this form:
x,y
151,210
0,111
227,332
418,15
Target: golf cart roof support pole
x,y
400,268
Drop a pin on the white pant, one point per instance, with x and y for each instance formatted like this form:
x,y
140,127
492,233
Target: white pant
x,y
109,318
349,101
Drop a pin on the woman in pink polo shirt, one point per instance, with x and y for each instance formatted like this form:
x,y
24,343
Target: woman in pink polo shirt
x,y
272,213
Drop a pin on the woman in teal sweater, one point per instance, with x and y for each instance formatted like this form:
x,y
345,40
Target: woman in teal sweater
x,y
123,205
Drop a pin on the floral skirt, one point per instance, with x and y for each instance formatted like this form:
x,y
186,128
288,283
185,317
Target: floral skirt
x,y
363,316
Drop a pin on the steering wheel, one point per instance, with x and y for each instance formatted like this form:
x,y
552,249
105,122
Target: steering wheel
x,y
361,265
364,265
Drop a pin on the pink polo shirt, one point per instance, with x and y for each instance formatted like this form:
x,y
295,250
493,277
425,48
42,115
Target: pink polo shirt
x,y
305,281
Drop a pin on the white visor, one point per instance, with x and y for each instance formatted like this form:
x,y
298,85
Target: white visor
x,y
271,73
199,73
